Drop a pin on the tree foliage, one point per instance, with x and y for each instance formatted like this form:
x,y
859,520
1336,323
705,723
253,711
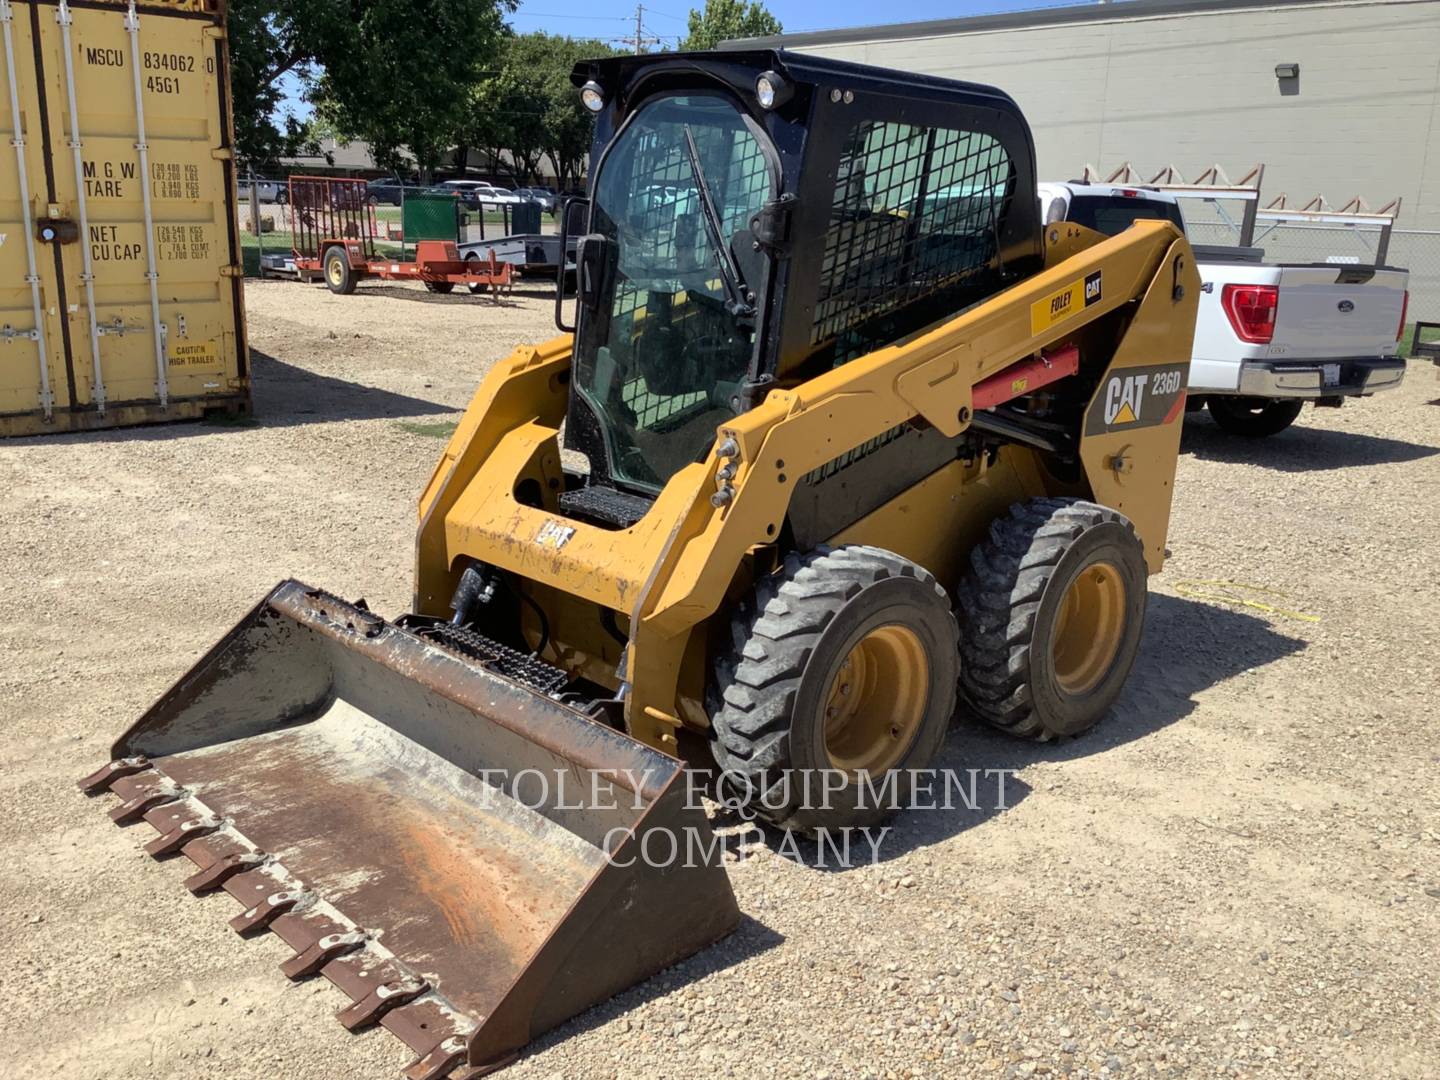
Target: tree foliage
x,y
528,108
392,72
721,20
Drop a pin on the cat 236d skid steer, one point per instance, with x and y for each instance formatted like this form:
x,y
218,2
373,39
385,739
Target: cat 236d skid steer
x,y
866,442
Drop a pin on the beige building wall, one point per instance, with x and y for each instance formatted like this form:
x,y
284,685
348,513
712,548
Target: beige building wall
x,y
1161,83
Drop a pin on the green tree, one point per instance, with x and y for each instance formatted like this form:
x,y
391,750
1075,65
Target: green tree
x,y
721,20
527,108
395,73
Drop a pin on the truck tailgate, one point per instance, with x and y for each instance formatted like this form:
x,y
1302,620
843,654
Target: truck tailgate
x,y
1340,311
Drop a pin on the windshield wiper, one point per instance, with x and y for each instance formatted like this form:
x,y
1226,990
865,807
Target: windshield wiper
x,y
735,287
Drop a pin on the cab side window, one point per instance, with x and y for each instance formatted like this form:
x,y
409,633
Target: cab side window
x,y
913,232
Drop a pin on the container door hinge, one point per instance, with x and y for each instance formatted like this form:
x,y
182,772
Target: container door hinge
x,y
232,271
214,33
223,153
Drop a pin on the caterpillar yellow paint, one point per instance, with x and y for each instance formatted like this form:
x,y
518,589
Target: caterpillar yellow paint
x,y
121,300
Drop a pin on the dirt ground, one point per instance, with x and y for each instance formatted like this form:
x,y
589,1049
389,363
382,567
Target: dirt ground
x,y
1238,873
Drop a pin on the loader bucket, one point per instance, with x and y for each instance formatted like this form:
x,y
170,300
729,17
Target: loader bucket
x,y
468,859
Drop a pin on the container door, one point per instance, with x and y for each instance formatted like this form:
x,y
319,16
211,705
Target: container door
x,y
32,354
154,303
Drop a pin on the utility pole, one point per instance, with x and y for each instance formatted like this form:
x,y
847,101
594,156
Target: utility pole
x,y
641,41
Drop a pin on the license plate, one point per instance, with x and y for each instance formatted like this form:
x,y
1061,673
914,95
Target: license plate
x,y
1330,374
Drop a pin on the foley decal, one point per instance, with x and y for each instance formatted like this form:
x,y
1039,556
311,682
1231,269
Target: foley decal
x,y
1137,397
1059,305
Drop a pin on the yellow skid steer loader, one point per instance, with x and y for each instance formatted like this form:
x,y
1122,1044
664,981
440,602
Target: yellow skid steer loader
x,y
851,435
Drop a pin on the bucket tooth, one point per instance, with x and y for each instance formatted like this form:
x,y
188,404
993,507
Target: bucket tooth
x,y
308,961
187,830
388,995
268,910
223,869
134,809
101,779
438,1062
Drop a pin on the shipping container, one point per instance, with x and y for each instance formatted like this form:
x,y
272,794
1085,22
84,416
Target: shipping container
x,y
121,291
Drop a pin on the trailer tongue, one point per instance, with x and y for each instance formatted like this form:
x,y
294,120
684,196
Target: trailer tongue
x,y
456,852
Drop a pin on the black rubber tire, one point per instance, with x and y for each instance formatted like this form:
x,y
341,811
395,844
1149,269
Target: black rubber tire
x,y
343,282
472,266
1009,604
1254,417
444,288
787,640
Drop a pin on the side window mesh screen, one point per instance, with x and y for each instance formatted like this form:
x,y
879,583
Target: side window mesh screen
x,y
912,234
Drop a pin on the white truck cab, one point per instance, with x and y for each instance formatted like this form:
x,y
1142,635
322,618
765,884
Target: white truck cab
x,y
1268,336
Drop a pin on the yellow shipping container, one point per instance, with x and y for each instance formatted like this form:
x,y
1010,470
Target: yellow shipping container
x,y
121,296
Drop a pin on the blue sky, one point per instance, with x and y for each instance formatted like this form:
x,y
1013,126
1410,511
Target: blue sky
x,y
666,19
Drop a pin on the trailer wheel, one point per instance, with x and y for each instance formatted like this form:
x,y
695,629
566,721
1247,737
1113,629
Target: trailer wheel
x,y
472,266
1254,417
839,680
441,287
1051,611
339,275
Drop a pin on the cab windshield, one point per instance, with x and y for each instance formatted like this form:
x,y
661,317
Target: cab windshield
x,y
668,343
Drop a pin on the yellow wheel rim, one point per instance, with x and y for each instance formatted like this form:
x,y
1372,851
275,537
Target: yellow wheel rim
x,y
876,700
1088,630
337,272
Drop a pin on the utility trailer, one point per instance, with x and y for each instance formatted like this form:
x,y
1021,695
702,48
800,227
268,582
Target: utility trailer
x,y
529,251
529,254
335,229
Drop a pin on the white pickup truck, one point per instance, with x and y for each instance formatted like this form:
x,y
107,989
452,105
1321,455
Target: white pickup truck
x,y
1269,336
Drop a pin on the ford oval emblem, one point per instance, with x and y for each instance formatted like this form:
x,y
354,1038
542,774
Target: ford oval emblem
x,y
1346,306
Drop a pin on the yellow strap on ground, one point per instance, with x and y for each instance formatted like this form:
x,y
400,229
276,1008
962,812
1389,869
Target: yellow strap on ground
x,y
1211,589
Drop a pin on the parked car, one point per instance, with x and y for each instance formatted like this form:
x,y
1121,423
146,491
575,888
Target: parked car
x,y
389,191
1268,336
270,191
477,193
544,196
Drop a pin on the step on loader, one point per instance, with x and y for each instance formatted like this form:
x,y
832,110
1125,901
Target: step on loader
x,y
857,440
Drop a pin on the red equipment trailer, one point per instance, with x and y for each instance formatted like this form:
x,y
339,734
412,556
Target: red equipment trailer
x,y
334,230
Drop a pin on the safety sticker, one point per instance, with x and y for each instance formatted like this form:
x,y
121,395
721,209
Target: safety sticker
x,y
194,353
1059,305
1137,397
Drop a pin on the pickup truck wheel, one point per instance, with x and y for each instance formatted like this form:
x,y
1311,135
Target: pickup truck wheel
x,y
1051,610
839,679
1254,417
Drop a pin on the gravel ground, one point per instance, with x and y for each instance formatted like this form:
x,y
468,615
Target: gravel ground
x,y
1238,873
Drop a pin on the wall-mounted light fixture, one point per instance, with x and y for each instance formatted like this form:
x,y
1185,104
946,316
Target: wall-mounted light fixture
x,y
1287,71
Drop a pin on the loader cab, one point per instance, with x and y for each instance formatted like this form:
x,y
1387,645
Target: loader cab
x,y
756,218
